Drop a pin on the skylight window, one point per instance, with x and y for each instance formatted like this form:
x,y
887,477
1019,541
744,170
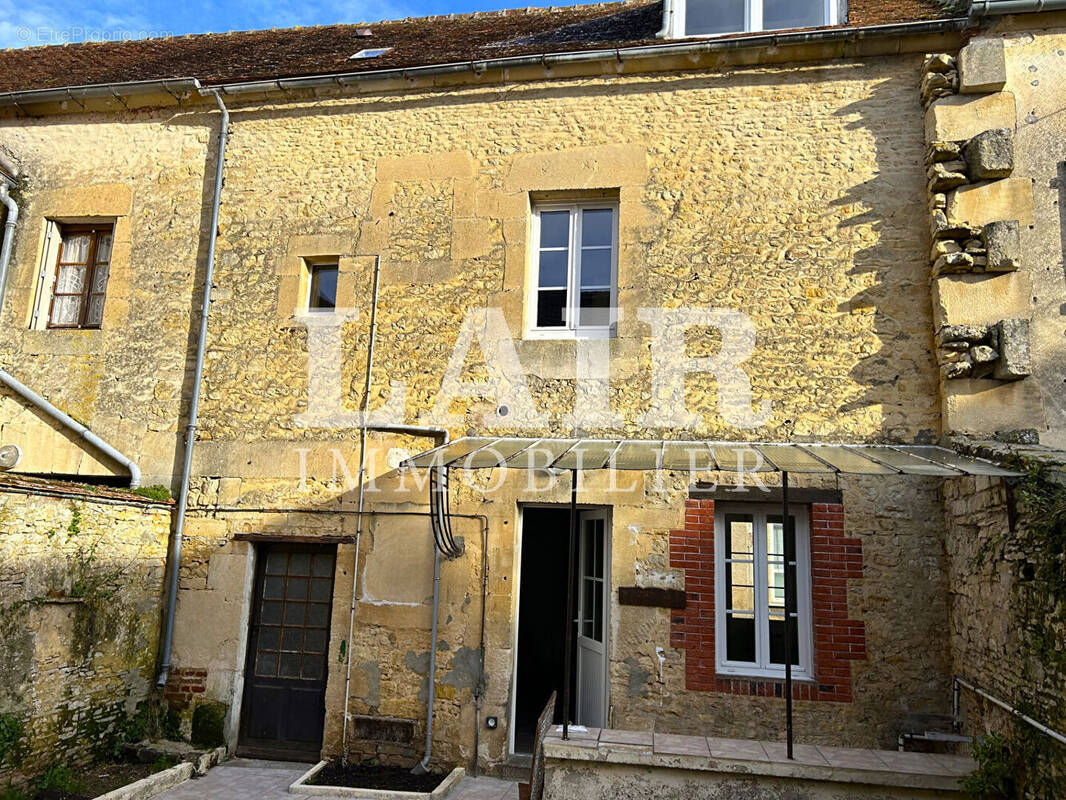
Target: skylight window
x,y
370,52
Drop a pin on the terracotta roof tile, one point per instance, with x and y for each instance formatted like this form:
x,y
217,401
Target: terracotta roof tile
x,y
257,55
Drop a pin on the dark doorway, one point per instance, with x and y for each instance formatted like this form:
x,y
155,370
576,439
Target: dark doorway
x,y
541,620
285,676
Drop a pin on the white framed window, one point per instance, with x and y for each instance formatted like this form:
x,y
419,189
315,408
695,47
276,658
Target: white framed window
x,y
574,277
321,281
749,586
721,17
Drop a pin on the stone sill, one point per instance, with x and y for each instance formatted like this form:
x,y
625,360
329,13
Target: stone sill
x,y
734,756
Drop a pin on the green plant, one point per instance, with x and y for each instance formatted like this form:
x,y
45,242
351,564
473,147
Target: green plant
x,y
994,777
209,725
13,793
163,762
58,777
155,492
10,736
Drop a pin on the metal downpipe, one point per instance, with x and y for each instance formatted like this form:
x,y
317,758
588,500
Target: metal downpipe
x,y
26,393
194,403
10,221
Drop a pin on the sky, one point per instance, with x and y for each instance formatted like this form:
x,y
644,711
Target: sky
x,y
26,23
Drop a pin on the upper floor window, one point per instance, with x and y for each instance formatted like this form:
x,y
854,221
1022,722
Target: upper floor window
x,y
750,586
80,279
717,17
574,288
322,287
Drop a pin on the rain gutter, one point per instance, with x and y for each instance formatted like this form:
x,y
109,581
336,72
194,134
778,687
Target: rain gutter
x,y
176,87
686,48
988,8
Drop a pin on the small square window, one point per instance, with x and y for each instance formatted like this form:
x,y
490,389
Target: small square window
x,y
322,287
717,17
574,289
83,264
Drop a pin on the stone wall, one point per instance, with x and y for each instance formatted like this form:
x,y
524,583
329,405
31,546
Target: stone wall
x,y
81,577
793,193
1008,634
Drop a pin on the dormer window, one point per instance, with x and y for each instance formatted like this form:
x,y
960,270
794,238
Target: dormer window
x,y
720,17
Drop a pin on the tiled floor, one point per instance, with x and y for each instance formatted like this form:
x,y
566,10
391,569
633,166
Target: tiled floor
x,y
245,779
661,744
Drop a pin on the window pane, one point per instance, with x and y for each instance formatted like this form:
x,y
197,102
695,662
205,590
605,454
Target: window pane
x,y
596,308
100,278
595,268
714,16
740,638
315,641
323,288
76,248
740,536
553,265
65,310
277,562
300,564
95,314
297,589
550,305
294,613
322,565
555,229
269,637
274,588
320,589
597,632
70,280
318,615
777,642
781,14
313,668
266,664
103,248
271,613
292,640
597,227
290,665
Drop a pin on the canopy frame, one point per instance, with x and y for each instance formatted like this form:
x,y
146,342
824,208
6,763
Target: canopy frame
x,y
472,453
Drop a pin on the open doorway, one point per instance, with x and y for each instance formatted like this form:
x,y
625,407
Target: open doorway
x,y
540,660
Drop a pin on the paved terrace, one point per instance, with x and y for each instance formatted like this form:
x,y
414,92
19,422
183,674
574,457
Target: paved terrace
x,y
247,779
888,768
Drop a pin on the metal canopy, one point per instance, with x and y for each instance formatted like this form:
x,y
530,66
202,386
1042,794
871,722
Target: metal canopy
x,y
572,455
702,456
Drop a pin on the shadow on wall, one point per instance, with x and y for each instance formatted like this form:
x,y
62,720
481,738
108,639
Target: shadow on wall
x,y
900,376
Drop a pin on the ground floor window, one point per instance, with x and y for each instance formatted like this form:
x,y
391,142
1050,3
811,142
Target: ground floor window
x,y
750,591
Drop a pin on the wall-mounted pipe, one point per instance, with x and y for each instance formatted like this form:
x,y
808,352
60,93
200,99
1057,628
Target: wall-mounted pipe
x,y
194,402
26,393
1058,737
10,221
988,8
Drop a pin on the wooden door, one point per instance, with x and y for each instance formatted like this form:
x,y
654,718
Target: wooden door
x,y
285,677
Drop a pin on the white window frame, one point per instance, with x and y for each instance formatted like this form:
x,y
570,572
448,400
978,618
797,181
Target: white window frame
x,y
571,330
310,265
762,668
753,17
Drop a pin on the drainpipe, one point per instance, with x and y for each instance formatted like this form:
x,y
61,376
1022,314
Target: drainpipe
x,y
986,8
26,393
668,18
194,403
21,389
441,436
9,230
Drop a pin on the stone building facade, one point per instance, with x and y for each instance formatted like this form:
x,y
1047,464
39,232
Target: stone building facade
x,y
793,181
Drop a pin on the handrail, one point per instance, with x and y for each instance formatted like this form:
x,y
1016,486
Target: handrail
x,y
1005,706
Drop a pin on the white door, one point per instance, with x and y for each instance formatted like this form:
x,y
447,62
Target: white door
x,y
593,553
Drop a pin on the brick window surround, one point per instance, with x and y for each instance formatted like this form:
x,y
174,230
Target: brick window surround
x,y
835,559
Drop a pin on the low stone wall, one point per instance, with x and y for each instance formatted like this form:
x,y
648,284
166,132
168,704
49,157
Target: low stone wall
x,y
1008,612
81,578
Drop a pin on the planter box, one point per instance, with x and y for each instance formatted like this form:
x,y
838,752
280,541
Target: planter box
x,y
302,787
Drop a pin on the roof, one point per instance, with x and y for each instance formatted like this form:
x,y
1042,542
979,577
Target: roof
x,y
29,484
702,456
216,58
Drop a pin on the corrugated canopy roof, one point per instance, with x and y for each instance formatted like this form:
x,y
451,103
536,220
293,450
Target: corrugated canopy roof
x,y
701,456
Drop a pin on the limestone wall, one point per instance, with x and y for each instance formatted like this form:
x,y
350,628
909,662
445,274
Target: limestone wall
x,y
80,591
1007,627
